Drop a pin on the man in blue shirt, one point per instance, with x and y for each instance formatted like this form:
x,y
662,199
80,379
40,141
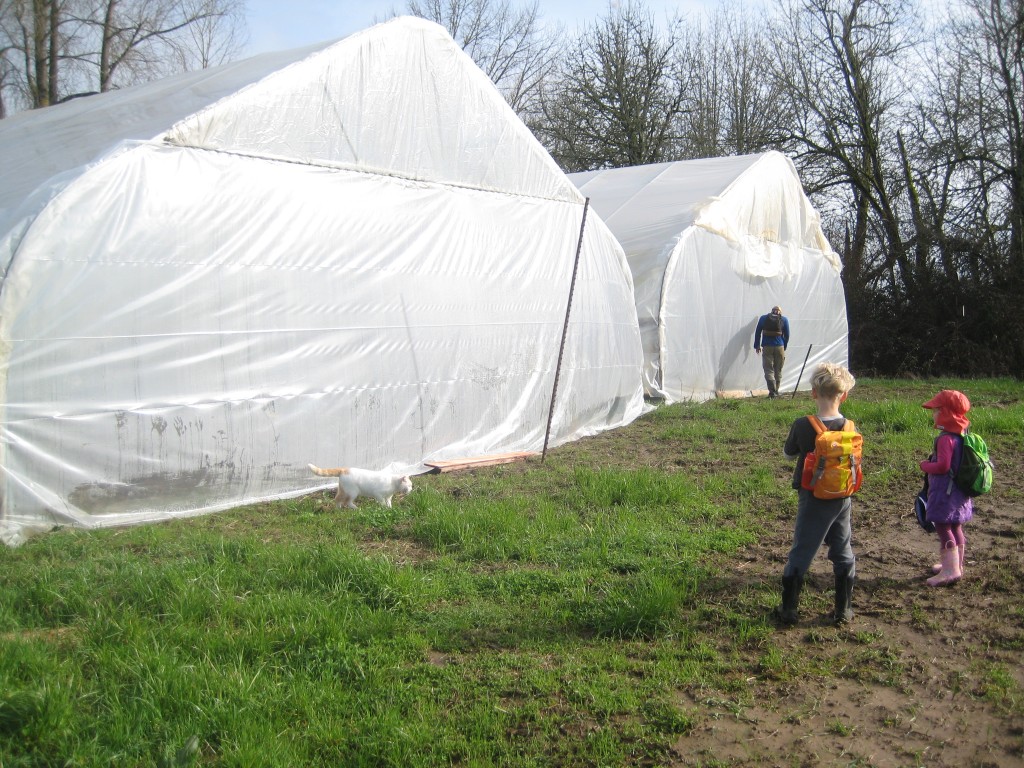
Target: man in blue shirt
x,y
771,338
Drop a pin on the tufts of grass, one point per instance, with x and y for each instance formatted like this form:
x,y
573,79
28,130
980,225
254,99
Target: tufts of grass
x,y
643,606
634,489
839,728
548,613
999,686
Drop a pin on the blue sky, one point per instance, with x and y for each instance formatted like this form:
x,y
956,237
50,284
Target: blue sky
x,y
276,25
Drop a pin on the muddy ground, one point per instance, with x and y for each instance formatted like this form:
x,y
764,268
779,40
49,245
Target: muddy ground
x,y
942,705
923,676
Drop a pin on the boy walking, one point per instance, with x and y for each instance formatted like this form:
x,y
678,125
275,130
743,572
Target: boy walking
x,y
819,521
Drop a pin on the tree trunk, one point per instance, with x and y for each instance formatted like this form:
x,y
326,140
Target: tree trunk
x,y
41,63
106,44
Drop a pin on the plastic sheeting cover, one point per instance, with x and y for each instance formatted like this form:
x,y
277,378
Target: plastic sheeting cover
x,y
183,330
712,245
398,99
41,143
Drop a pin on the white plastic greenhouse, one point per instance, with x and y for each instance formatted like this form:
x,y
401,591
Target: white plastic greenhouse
x,y
351,255
712,245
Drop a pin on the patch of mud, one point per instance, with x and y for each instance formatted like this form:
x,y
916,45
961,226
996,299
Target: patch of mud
x,y
922,676
938,706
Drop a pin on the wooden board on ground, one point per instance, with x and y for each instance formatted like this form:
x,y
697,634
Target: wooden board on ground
x,y
453,465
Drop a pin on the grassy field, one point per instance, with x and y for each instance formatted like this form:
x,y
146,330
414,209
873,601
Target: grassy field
x,y
595,609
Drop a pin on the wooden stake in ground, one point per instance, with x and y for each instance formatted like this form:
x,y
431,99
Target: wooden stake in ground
x,y
809,347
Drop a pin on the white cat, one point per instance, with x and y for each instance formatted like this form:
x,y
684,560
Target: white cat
x,y
353,483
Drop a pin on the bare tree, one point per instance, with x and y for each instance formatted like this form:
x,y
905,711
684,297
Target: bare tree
x,y
757,112
989,38
9,53
975,186
737,106
619,95
213,39
52,49
509,44
842,65
138,38
32,44
704,130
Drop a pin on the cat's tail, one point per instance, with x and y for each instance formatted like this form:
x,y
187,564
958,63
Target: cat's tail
x,y
335,472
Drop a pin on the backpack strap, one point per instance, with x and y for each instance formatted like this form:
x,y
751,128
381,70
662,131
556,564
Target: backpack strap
x,y
819,426
858,470
819,465
952,470
951,474
935,457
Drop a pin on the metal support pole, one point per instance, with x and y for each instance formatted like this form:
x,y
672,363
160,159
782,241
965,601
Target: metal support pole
x,y
565,330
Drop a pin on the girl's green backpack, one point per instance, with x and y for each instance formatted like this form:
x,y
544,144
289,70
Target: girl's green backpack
x,y
974,475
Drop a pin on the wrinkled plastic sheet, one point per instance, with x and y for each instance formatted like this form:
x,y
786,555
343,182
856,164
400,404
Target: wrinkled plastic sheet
x,y
712,245
183,331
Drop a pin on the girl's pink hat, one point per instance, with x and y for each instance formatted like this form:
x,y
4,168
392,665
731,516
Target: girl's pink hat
x,y
951,405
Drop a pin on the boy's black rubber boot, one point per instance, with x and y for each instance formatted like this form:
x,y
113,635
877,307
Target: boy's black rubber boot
x,y
789,613
844,597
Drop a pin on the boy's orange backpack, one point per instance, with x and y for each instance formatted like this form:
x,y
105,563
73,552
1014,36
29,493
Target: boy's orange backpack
x,y
833,469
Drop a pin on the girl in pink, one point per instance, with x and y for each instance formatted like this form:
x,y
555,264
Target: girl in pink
x,y
948,507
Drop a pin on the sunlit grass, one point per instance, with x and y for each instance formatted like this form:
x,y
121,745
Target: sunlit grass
x,y
542,614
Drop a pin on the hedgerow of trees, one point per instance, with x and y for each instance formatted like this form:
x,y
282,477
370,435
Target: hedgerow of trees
x,y
906,122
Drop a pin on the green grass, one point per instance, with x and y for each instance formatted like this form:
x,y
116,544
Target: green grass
x,y
527,615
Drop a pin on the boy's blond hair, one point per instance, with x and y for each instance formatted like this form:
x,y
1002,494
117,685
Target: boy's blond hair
x,y
832,380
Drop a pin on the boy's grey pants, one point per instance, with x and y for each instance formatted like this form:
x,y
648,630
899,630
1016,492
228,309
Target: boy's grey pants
x,y
822,521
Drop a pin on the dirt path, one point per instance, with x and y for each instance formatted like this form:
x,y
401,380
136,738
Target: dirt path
x,y
922,676
946,648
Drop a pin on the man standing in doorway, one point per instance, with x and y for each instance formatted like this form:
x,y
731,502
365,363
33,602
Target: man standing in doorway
x,y
772,338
